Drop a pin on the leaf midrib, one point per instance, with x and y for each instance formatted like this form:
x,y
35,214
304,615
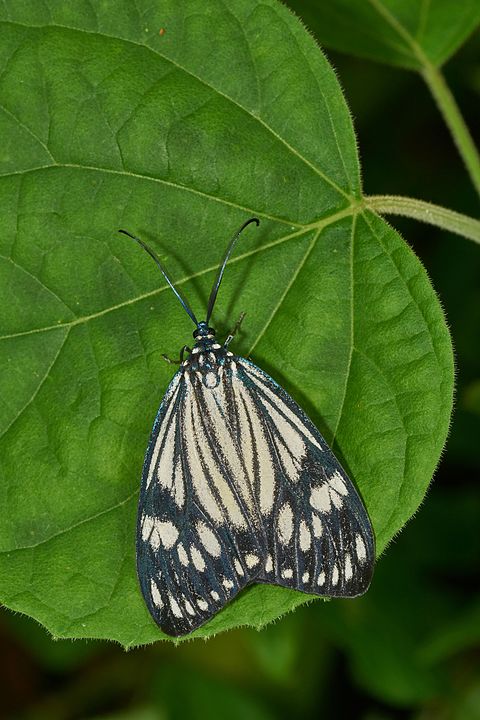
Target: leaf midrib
x,y
203,82
402,32
151,178
73,526
335,217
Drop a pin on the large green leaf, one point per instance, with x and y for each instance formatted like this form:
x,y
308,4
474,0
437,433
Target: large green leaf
x,y
180,138
407,33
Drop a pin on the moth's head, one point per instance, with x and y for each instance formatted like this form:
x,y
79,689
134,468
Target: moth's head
x,y
203,331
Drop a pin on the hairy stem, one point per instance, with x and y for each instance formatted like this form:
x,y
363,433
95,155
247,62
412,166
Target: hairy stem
x,y
425,212
448,107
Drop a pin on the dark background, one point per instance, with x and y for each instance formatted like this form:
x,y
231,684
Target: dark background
x,y
411,647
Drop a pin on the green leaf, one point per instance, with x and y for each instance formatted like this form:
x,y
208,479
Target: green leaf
x,y
406,33
180,140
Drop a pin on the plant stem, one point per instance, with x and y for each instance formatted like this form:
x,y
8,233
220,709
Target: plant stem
x,y
425,212
448,107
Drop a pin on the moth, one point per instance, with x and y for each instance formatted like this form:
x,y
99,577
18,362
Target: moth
x,y
240,487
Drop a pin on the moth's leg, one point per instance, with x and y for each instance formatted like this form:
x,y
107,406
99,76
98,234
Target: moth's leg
x,y
234,331
184,349
180,359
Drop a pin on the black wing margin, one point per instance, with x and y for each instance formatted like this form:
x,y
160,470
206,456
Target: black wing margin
x,y
197,540
238,487
319,536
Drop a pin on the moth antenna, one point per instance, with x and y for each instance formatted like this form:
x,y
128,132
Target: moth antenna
x,y
156,259
221,270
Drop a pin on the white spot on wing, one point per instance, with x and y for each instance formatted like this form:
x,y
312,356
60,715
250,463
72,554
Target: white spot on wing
x,y
251,560
227,584
335,575
268,564
215,595
320,498
202,604
305,537
197,559
285,524
182,555
238,568
245,434
156,597
348,568
321,579
189,608
305,577
360,548
209,540
158,532
338,483
336,499
178,485
175,607
165,462
287,573
317,526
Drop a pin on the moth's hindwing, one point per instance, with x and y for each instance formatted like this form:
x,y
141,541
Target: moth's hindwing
x,y
239,487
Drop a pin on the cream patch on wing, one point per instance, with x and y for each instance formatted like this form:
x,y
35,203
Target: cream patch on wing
x,y
278,402
305,539
209,540
170,398
285,524
320,498
225,442
199,455
262,454
158,532
289,443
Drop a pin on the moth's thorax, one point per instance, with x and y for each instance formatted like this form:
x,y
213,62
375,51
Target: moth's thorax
x,y
206,361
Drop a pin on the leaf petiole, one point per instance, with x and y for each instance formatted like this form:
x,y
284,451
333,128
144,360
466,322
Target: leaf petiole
x,y
450,111
425,212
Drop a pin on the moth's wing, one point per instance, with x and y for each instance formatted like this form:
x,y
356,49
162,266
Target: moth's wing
x,y
198,532
319,536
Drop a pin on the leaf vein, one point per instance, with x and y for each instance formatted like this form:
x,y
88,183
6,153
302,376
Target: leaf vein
x,y
238,258
352,330
286,291
39,386
151,178
229,99
28,130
